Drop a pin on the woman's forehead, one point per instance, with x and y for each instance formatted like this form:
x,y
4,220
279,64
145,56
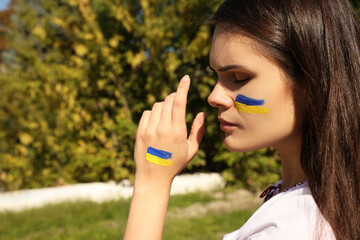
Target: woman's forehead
x,y
231,48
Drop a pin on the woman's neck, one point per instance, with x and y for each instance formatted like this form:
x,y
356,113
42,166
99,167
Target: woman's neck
x,y
290,152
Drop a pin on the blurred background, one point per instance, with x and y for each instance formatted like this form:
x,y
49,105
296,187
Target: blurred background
x,y
75,76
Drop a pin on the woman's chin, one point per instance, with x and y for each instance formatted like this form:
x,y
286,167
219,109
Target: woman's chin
x,y
234,145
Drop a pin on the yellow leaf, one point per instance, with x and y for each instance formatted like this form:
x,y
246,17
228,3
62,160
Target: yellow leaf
x,y
59,21
101,84
99,36
114,42
151,98
105,51
58,87
108,145
172,62
78,61
40,32
25,138
3,176
122,115
33,125
102,137
72,3
76,118
23,150
138,59
88,36
51,140
80,49
84,84
71,102
85,9
86,116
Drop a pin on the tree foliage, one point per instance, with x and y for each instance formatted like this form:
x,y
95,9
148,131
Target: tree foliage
x,y
78,75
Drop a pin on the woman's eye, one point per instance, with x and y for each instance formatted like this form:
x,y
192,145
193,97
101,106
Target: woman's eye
x,y
241,78
241,81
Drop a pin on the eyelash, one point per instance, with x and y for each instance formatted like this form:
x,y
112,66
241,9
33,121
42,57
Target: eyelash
x,y
242,81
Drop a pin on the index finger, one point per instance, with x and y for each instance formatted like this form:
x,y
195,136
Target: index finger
x,y
179,105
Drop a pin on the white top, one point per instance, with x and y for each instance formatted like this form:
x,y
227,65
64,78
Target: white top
x,y
291,214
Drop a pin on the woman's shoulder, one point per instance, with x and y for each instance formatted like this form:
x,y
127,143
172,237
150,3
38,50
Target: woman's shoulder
x,y
291,214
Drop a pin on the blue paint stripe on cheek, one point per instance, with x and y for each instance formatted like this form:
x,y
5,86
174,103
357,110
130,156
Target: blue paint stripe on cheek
x,y
249,101
159,153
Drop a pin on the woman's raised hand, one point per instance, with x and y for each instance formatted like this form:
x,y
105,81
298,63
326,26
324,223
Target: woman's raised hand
x,y
162,150
162,147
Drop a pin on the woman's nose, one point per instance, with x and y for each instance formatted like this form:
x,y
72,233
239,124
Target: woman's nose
x,y
219,97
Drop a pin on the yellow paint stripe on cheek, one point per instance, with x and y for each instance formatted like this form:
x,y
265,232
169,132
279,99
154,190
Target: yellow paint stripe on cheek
x,y
251,109
159,161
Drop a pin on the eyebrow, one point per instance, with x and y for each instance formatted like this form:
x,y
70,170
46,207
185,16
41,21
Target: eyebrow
x,y
227,68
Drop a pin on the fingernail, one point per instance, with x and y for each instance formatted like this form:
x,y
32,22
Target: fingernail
x,y
185,78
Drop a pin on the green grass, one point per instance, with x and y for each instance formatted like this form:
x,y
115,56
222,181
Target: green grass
x,y
67,221
87,220
208,227
182,201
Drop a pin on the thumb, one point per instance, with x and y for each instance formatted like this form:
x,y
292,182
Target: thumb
x,y
196,134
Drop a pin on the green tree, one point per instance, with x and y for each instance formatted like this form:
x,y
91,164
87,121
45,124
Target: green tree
x,y
62,121
81,73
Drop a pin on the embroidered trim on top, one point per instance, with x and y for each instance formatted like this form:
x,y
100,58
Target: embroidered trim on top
x,y
273,190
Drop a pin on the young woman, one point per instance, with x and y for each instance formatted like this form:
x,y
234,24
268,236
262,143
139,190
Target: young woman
x,y
288,77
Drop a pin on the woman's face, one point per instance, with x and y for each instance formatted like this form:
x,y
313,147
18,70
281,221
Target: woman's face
x,y
256,105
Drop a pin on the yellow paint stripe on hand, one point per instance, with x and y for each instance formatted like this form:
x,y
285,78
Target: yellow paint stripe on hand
x,y
251,109
158,161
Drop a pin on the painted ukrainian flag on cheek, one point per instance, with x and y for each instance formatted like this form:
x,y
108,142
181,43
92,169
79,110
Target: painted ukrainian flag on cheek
x,y
249,105
159,157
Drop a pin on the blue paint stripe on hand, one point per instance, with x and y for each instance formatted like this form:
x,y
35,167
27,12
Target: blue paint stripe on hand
x,y
249,101
159,153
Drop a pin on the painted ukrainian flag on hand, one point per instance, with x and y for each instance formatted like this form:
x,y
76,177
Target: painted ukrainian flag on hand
x,y
249,105
159,157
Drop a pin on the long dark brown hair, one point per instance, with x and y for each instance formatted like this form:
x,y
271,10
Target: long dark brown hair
x,y
316,42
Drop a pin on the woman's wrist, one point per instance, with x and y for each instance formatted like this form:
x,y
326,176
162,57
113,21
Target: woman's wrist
x,y
148,209
151,186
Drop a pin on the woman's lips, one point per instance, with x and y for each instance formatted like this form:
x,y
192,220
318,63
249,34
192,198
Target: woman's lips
x,y
226,126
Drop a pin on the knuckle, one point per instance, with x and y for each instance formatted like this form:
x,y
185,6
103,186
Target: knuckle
x,y
149,134
178,104
157,105
140,135
162,131
194,153
178,133
140,132
167,99
170,97
146,113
